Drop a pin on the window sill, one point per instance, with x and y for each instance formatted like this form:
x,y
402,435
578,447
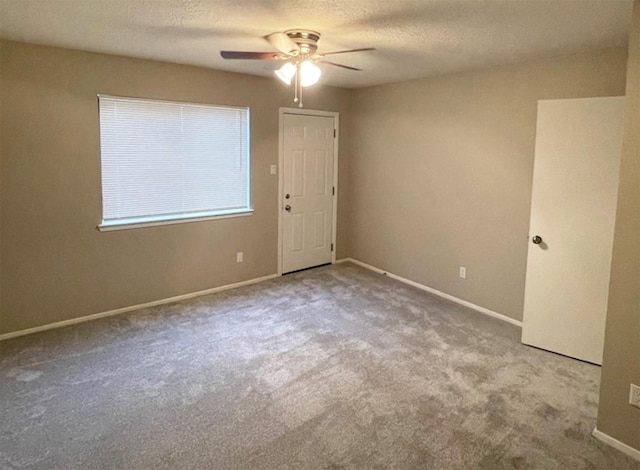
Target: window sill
x,y
130,224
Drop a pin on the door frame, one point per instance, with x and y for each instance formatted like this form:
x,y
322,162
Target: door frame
x,y
336,125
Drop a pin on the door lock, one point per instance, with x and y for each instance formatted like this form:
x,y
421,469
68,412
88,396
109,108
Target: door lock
x,y
287,196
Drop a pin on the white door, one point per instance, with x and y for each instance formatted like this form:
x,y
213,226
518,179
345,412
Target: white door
x,y
307,219
575,187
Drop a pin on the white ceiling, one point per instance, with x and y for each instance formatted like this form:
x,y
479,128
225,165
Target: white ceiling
x,y
413,38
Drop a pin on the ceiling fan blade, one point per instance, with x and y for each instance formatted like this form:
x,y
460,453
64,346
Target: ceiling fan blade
x,y
339,65
350,50
248,55
283,43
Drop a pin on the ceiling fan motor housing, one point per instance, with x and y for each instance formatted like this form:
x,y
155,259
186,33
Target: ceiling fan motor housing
x,y
306,39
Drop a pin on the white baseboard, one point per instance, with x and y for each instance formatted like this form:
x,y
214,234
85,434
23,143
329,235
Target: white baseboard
x,y
616,444
191,295
118,311
486,311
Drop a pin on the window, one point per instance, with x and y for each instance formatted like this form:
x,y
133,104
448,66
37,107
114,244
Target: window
x,y
166,162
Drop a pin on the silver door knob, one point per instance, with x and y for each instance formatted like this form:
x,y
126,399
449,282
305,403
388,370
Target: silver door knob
x,y
536,239
287,208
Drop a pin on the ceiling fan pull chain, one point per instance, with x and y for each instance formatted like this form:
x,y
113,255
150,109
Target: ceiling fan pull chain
x,y
300,85
295,83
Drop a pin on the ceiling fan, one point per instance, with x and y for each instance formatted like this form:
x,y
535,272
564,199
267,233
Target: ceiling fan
x,y
298,50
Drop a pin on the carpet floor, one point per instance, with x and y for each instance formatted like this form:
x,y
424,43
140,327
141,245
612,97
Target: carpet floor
x,y
332,368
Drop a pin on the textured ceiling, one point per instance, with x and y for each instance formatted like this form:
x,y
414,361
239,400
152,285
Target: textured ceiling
x,y
413,38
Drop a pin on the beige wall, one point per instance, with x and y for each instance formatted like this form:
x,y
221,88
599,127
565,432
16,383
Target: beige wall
x,y
1,187
55,264
442,172
621,365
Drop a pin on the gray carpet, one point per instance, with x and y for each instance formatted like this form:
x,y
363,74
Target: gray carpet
x,y
331,368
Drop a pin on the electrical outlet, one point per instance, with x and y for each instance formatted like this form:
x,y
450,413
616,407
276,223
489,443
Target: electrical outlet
x,y
274,169
463,272
239,257
634,395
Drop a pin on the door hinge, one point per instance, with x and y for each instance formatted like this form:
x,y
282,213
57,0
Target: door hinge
x,y
333,192
332,247
334,133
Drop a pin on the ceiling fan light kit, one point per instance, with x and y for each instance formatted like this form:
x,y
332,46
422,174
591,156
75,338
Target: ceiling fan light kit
x,y
309,73
286,72
298,49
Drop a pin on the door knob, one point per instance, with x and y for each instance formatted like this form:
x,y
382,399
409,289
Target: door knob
x,y
536,239
287,208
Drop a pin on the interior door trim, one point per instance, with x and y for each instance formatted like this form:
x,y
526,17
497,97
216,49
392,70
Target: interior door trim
x,y
307,112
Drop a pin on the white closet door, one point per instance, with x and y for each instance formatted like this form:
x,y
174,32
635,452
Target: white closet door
x,y
575,187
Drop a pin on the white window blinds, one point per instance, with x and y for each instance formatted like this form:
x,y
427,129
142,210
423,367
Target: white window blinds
x,y
166,160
